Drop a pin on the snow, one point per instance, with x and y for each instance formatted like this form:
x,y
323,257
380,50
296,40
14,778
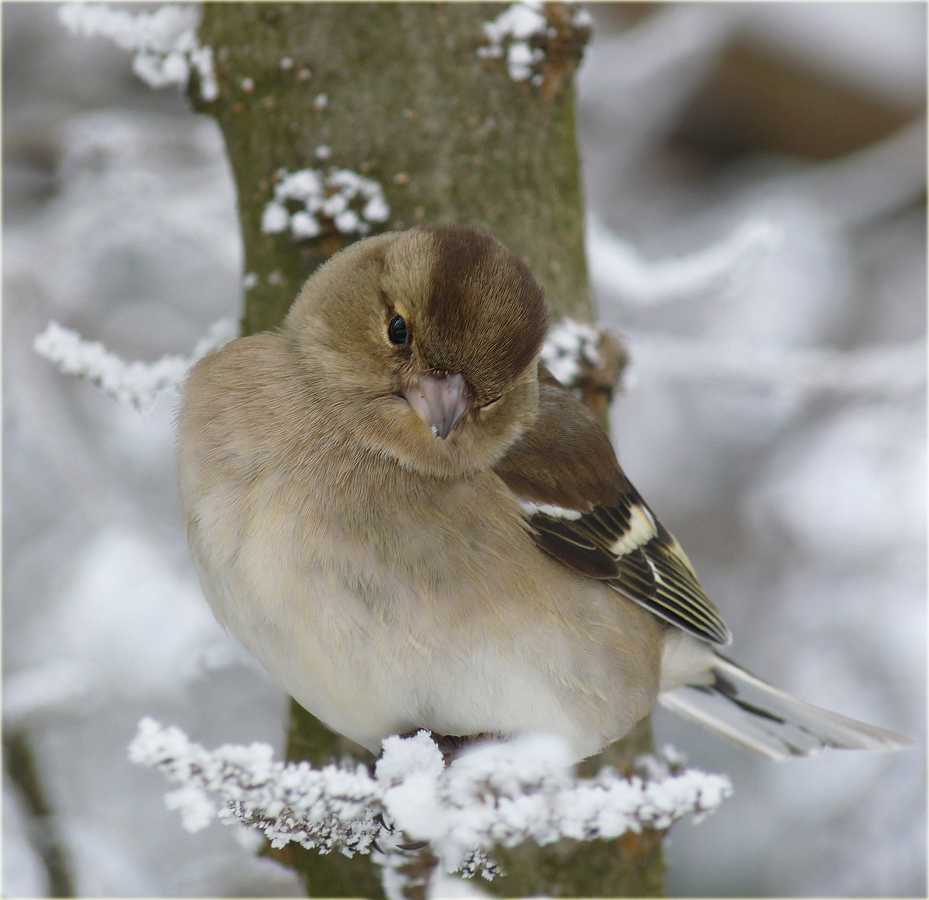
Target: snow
x,y
351,202
137,383
774,419
165,41
850,47
883,371
616,267
863,488
510,35
501,793
567,346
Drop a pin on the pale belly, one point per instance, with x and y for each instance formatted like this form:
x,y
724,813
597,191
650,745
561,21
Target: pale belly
x,y
372,653
367,677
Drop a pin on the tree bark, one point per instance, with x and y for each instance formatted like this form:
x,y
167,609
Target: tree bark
x,y
398,93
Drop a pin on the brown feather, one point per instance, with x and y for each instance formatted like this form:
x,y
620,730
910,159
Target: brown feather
x,y
583,511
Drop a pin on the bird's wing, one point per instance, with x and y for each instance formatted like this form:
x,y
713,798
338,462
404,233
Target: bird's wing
x,y
581,509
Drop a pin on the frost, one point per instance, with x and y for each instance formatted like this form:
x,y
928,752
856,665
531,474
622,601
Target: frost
x,y
195,806
136,383
516,34
165,41
274,218
510,34
306,201
569,346
496,794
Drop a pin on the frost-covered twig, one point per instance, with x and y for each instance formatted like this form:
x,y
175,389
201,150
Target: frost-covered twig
x,y
497,794
165,41
618,268
136,383
879,371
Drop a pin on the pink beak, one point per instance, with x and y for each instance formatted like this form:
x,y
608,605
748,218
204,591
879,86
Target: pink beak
x,y
440,400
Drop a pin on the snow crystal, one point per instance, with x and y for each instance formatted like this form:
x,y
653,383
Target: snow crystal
x,y
520,21
137,383
164,41
512,30
303,225
511,35
498,793
520,59
349,201
195,806
568,345
274,218
405,755
321,101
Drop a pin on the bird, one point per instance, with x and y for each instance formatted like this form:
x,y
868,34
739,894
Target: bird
x,y
412,524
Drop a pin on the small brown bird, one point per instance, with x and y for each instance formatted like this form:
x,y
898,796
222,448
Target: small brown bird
x,y
411,524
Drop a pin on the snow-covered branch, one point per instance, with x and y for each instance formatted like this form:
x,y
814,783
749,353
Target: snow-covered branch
x,y
496,794
876,372
616,267
165,41
137,383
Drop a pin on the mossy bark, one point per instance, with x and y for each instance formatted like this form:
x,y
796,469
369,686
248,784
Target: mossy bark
x,y
398,93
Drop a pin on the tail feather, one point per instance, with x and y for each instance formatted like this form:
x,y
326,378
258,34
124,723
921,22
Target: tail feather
x,y
741,707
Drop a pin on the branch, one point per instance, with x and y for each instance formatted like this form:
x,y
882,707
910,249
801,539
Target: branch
x,y
137,383
616,266
497,794
877,372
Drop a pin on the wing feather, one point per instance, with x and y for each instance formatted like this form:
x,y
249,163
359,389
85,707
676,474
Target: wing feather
x,y
582,510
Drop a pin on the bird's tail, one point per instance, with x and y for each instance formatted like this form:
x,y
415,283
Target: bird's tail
x,y
741,707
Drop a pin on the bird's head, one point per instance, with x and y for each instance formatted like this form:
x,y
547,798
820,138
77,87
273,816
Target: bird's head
x,y
428,341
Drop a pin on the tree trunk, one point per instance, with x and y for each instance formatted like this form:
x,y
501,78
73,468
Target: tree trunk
x,y
399,93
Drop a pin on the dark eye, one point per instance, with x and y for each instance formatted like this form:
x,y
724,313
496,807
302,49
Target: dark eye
x,y
396,331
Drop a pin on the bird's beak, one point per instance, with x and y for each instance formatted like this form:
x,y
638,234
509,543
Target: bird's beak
x,y
440,400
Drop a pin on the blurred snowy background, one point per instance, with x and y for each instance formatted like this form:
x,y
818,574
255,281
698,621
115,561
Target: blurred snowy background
x,y
756,179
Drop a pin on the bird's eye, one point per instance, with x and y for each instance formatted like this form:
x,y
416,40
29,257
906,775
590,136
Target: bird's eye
x,y
397,331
